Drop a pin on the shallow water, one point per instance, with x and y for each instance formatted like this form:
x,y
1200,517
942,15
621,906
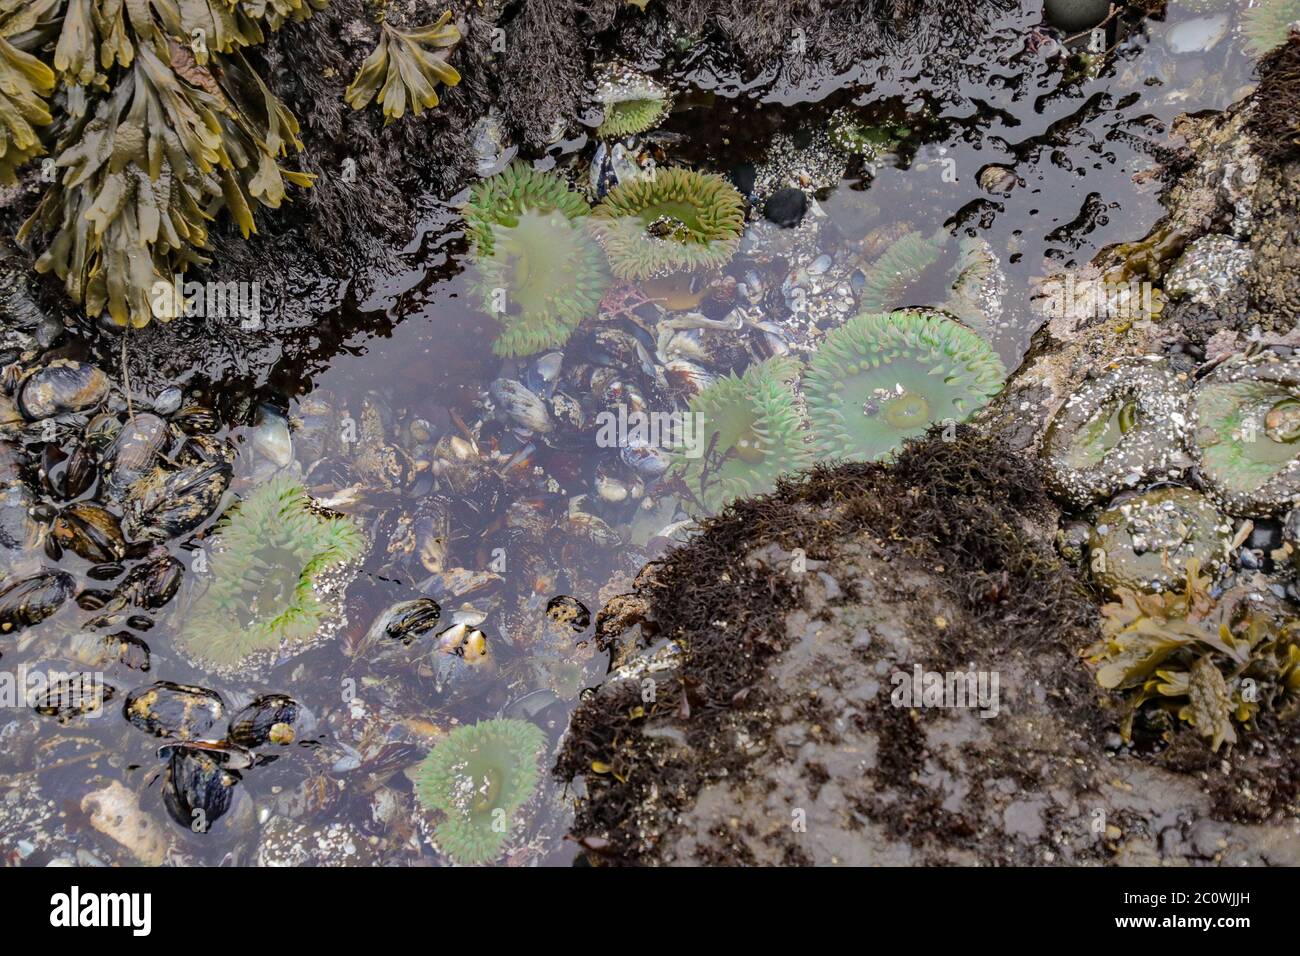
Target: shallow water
x,y
416,344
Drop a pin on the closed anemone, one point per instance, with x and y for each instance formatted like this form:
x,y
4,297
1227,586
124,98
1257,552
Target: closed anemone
x,y
673,222
1246,434
1119,430
276,573
748,432
477,778
538,271
881,379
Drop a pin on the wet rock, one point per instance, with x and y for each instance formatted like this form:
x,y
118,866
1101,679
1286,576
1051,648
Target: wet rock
x,y
786,207
115,812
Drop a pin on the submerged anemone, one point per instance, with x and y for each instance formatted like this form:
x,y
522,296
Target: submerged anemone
x,y
1246,433
880,379
632,101
1266,26
539,272
678,221
979,285
478,777
278,571
1145,542
881,285
1117,431
749,434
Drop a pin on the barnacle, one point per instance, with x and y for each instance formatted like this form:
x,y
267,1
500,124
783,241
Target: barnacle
x,y
868,140
1266,25
881,285
478,777
403,68
748,433
538,270
880,379
1210,662
1246,433
632,101
677,221
278,569
156,144
1144,542
1121,429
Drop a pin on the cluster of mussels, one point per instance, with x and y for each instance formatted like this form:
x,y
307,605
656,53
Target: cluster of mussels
x,y
1189,487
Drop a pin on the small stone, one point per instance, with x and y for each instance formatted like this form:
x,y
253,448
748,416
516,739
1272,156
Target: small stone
x,y
786,207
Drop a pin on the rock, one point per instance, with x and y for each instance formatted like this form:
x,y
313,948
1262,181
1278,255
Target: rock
x,y
115,812
786,207
1076,15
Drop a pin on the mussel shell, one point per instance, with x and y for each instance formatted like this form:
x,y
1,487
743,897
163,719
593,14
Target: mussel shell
x,y
521,406
165,709
152,584
18,532
134,452
62,386
76,695
195,419
89,531
31,600
197,788
567,611
102,430
165,504
271,718
406,621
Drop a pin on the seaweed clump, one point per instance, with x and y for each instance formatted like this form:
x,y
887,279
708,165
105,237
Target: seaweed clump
x,y
160,122
1275,120
477,778
1212,662
959,504
278,571
403,70
539,272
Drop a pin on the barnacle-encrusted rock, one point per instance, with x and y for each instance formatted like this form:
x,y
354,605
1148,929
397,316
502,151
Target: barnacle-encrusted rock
x,y
278,571
477,778
1118,431
1246,433
881,379
749,433
1144,542
632,101
678,221
538,270
979,284
403,69
1210,268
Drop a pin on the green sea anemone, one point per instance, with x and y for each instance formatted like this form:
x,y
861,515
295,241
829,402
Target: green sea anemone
x,y
880,379
677,221
538,270
478,777
1266,26
632,101
403,68
1121,429
1145,542
882,285
979,285
155,121
1246,434
749,433
278,570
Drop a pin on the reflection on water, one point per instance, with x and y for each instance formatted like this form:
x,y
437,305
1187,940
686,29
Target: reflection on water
x,y
480,482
